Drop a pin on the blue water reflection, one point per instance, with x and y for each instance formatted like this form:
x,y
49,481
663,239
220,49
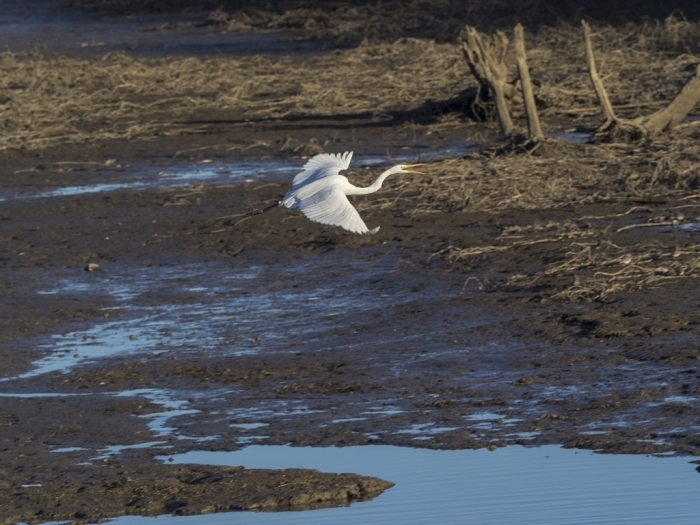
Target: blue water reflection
x,y
512,485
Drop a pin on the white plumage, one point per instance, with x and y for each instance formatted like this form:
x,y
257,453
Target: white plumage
x,y
320,192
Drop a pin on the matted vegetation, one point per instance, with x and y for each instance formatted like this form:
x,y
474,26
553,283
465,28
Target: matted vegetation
x,y
49,101
599,257
591,266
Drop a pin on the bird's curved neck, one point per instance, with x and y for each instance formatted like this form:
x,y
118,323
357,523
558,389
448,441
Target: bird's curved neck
x,y
377,183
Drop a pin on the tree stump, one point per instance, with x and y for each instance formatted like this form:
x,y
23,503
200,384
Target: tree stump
x,y
487,64
533,120
615,128
677,110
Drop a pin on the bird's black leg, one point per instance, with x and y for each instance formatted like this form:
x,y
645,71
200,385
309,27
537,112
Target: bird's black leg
x,y
258,211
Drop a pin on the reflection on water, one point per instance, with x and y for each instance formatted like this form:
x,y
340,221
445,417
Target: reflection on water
x,y
178,176
573,137
691,226
512,485
229,311
48,26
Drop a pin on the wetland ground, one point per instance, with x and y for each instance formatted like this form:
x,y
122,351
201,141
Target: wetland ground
x,y
531,298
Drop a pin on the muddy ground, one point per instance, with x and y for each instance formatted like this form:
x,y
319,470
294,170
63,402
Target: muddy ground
x,y
571,321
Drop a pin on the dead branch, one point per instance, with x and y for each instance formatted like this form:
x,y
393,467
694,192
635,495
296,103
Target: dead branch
x,y
600,91
615,128
533,120
677,110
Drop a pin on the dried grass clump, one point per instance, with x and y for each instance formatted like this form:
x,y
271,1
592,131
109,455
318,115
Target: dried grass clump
x,y
52,101
46,101
517,237
557,175
597,261
601,270
592,267
349,24
512,181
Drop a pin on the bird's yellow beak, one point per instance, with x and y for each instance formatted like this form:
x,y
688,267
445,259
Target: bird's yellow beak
x,y
408,168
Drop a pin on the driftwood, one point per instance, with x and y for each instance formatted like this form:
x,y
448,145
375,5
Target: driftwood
x,y
487,64
677,110
533,120
615,128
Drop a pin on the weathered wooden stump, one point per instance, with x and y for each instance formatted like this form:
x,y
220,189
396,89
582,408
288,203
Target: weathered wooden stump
x,y
615,128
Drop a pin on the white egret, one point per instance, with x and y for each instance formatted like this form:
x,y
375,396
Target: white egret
x,y
320,192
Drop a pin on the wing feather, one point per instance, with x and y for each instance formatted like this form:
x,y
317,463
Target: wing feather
x,y
323,165
331,206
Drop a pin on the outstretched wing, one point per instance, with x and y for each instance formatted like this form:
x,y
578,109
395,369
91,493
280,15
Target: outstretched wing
x,y
323,165
331,206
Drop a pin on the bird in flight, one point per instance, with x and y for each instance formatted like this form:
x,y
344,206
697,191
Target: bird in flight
x,y
320,192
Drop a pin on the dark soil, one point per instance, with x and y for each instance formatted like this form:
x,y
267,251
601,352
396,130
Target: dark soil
x,y
559,368
494,332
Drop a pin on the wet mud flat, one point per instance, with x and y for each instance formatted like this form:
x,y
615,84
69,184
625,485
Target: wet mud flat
x,y
204,329
522,298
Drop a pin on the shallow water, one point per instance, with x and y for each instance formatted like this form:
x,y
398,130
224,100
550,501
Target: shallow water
x,y
172,401
142,178
690,226
573,137
135,178
218,173
512,485
224,309
48,27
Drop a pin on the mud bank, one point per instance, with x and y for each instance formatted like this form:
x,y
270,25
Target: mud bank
x,y
274,330
537,298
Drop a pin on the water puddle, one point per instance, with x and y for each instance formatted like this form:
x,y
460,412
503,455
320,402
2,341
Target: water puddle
x,y
226,310
383,411
49,27
573,137
680,399
113,450
512,485
171,401
180,176
65,450
249,426
490,421
690,226
174,405
34,395
675,400
424,431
